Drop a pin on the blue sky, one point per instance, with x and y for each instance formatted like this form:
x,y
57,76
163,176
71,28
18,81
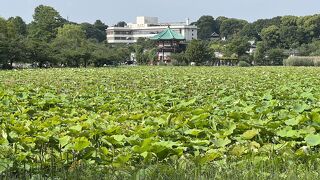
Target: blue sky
x,y
112,11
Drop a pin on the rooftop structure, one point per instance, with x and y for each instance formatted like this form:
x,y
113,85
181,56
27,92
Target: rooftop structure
x,y
147,27
168,34
214,36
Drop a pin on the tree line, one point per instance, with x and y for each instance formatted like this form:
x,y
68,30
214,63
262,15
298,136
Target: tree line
x,y
52,41
274,39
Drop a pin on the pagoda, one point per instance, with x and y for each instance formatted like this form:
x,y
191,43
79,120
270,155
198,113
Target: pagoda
x,y
168,42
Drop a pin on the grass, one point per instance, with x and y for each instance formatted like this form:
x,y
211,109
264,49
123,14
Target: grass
x,y
246,168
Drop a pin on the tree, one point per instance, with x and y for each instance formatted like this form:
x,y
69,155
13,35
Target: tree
x,y
250,31
179,59
12,47
145,50
122,54
3,27
152,55
207,26
16,27
39,52
141,56
289,21
266,56
198,52
45,24
121,24
311,25
219,21
239,46
231,27
95,31
100,25
16,51
259,55
264,23
71,46
146,43
291,36
101,56
311,49
71,32
275,56
271,36
110,56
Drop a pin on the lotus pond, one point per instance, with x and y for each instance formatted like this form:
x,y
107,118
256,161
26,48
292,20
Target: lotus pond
x,y
112,118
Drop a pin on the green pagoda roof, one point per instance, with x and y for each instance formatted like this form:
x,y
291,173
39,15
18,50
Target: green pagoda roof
x,y
168,34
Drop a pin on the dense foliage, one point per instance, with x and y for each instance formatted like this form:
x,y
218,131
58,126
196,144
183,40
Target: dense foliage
x,y
52,41
286,35
302,61
120,117
263,42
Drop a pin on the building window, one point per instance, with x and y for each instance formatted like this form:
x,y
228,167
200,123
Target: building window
x,y
123,32
120,38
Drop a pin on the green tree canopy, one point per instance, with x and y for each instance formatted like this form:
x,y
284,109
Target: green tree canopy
x,y
291,36
271,36
45,24
3,27
95,31
71,32
198,52
39,52
100,25
71,44
121,24
239,46
312,26
12,45
289,21
250,31
275,56
259,55
207,25
231,27
16,27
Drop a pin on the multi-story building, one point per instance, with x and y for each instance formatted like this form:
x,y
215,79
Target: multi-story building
x,y
147,27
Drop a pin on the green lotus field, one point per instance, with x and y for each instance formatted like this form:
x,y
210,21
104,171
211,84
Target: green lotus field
x,y
56,119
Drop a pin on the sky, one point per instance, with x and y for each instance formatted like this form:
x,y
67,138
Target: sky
x,y
113,11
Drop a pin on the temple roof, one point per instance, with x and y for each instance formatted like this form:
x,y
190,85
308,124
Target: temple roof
x,y
214,34
168,34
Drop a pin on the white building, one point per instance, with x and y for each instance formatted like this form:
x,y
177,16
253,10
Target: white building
x,y
146,27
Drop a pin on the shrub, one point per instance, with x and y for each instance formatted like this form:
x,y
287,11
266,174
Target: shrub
x,y
302,61
178,63
179,59
243,64
316,62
